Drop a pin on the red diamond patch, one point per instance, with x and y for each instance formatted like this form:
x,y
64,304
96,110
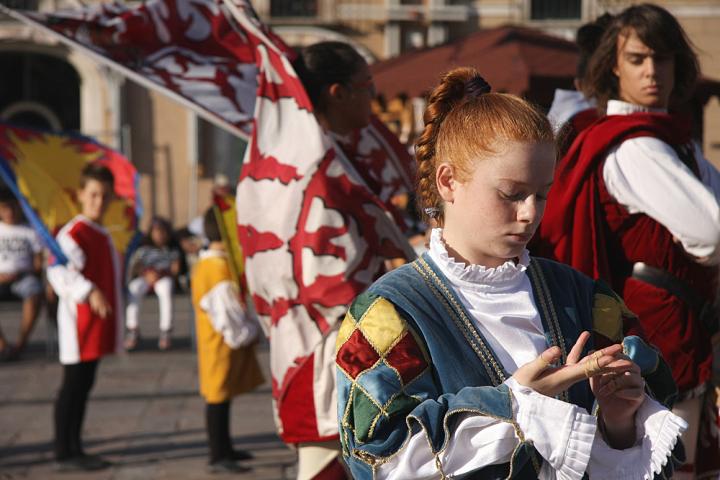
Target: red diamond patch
x,y
407,358
356,355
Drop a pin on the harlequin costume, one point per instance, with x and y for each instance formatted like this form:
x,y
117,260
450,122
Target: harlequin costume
x,y
425,359
632,203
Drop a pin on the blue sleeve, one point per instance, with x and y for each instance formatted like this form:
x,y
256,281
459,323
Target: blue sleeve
x,y
386,389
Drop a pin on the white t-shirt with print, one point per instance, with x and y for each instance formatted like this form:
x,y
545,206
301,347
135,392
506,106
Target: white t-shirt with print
x,y
18,246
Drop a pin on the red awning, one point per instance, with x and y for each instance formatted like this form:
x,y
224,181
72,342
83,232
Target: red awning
x,y
519,60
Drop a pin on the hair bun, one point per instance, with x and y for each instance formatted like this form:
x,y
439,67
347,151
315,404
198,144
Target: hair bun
x,y
589,35
476,86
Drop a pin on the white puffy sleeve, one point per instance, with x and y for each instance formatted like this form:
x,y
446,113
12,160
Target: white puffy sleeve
x,y
709,174
68,280
227,315
565,436
646,175
562,433
658,430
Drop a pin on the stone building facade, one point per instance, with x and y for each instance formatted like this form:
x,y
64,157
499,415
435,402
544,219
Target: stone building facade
x,y
45,84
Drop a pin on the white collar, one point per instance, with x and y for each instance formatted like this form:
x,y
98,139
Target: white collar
x,y
91,223
211,253
509,274
619,107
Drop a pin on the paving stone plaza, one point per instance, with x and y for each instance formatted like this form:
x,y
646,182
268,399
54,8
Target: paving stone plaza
x,y
144,414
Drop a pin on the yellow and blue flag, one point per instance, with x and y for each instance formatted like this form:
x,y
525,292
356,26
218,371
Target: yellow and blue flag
x,y
43,171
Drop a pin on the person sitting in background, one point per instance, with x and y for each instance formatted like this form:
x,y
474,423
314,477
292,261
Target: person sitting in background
x,y
227,365
20,270
155,265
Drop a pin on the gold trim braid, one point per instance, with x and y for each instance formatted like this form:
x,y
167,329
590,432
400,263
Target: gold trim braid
x,y
457,314
548,309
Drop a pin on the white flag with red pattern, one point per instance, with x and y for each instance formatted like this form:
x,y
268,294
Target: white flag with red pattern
x,y
315,226
190,50
314,236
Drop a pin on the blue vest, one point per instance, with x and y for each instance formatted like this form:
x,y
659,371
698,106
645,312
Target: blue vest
x,y
462,373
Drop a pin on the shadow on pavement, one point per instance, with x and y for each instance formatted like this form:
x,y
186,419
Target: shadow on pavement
x,y
144,450
126,397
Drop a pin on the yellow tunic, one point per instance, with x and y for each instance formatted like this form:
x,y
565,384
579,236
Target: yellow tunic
x,y
224,372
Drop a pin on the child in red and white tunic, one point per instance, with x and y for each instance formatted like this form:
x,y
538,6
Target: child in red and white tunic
x,y
89,313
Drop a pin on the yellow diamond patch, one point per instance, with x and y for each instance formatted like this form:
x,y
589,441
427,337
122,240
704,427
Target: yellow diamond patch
x,y
346,328
607,316
382,325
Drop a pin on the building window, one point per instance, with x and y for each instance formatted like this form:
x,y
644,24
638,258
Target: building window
x,y
293,8
21,4
555,9
219,152
413,37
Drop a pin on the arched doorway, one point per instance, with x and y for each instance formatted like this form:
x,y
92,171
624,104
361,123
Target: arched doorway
x,y
39,91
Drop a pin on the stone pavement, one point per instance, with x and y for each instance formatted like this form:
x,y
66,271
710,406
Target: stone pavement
x,y
144,414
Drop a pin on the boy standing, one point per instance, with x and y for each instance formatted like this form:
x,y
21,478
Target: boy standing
x,y
227,365
89,312
20,266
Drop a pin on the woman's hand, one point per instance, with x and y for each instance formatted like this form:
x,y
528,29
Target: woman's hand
x,y
619,397
542,377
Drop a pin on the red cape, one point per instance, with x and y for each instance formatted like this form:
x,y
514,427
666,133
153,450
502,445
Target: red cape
x,y
572,230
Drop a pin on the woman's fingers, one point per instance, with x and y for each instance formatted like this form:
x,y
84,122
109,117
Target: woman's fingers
x,y
545,359
576,352
612,350
610,384
621,366
601,361
528,374
535,367
630,393
602,364
627,393
595,364
574,355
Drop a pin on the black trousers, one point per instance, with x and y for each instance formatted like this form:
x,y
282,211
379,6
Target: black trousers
x,y
217,420
77,381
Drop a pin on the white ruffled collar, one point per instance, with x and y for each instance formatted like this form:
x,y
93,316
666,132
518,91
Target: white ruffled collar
x,y
509,274
619,107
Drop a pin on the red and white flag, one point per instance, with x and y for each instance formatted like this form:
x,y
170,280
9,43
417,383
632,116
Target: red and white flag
x,y
190,50
313,233
315,224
